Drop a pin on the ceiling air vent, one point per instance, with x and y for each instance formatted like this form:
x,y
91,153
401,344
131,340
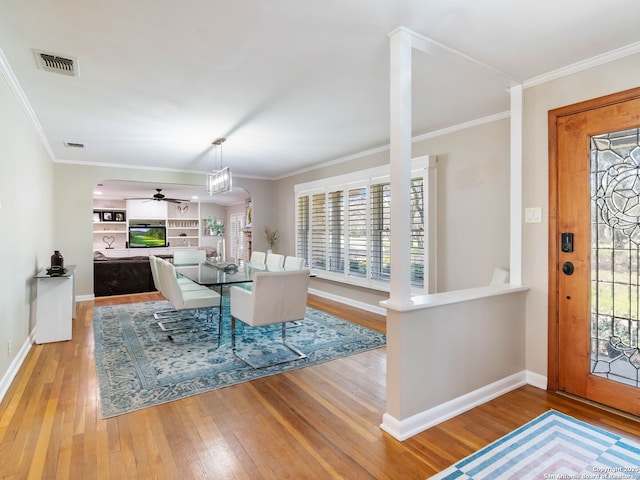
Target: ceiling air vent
x,y
57,64
73,145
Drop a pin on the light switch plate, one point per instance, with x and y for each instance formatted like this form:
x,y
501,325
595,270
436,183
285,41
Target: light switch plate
x,y
533,215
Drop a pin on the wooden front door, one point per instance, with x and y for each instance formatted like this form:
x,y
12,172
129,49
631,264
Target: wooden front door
x,y
594,294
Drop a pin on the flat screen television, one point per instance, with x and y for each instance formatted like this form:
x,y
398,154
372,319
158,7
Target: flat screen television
x,y
146,236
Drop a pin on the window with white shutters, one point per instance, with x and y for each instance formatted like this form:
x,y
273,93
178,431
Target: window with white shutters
x,y
357,238
417,232
343,226
380,231
335,231
318,231
302,227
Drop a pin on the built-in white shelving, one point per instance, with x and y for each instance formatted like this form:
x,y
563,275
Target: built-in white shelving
x,y
109,224
112,218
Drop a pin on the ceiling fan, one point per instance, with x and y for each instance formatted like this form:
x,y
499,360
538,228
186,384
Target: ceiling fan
x,y
161,197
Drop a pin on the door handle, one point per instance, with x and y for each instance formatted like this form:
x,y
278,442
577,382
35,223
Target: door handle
x,y
567,268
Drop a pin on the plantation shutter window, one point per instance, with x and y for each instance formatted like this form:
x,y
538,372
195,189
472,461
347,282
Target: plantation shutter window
x,y
343,227
302,228
357,215
335,227
318,231
381,231
417,232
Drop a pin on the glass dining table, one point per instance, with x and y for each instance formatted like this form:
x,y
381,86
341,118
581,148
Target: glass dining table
x,y
214,275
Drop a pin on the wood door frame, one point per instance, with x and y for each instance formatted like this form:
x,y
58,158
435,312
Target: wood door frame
x,y
553,344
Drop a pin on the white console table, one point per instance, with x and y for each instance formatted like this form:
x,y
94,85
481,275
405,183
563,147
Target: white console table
x,y
55,305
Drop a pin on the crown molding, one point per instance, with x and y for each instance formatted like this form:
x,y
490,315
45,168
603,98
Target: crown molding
x,y
461,126
577,67
329,163
15,87
385,148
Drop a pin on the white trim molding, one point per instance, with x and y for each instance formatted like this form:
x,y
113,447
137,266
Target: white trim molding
x,y
515,189
15,365
348,301
15,87
403,429
537,380
577,67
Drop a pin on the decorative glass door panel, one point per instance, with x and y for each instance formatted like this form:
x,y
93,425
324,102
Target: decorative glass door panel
x,y
594,280
615,256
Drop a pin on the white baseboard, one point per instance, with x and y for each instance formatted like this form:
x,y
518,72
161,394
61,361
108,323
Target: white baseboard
x,y
6,381
403,429
84,298
348,301
537,380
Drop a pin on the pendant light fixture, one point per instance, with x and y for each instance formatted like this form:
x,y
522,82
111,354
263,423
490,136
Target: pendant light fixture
x,y
218,181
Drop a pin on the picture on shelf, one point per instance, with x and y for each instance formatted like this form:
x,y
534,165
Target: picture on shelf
x,y
118,216
107,216
96,216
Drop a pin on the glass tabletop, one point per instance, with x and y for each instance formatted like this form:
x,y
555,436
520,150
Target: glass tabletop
x,y
67,272
210,275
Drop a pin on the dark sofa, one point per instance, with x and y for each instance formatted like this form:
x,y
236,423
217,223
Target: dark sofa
x,y
119,276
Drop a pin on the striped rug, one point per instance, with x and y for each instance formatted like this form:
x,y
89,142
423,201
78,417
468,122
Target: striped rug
x,y
552,446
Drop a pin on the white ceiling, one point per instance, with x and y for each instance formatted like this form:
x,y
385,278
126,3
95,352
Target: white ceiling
x,y
290,83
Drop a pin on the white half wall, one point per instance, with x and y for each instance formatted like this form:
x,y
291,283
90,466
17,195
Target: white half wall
x,y
448,346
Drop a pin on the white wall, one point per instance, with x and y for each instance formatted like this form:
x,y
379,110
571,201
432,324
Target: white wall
x,y
466,344
472,204
595,82
26,226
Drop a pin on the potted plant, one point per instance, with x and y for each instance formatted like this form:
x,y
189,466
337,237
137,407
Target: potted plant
x,y
215,226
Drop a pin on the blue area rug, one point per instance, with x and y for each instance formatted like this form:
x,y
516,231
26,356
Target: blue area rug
x,y
138,366
552,446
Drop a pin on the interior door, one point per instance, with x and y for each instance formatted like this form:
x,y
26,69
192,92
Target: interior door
x,y
595,250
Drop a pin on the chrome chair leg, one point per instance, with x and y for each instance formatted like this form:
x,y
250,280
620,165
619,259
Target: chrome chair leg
x,y
299,355
164,323
165,314
209,325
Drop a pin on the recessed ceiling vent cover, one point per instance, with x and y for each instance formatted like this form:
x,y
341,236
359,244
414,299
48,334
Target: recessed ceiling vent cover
x,y
57,64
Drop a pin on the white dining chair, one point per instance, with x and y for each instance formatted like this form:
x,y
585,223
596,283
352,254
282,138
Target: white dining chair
x,y
276,298
275,262
192,299
500,276
189,256
185,283
157,282
257,258
293,263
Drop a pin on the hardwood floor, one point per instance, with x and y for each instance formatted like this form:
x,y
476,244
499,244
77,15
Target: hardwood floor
x,y
316,422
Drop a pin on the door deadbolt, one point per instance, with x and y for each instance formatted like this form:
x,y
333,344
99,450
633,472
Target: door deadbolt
x,y
566,243
567,268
